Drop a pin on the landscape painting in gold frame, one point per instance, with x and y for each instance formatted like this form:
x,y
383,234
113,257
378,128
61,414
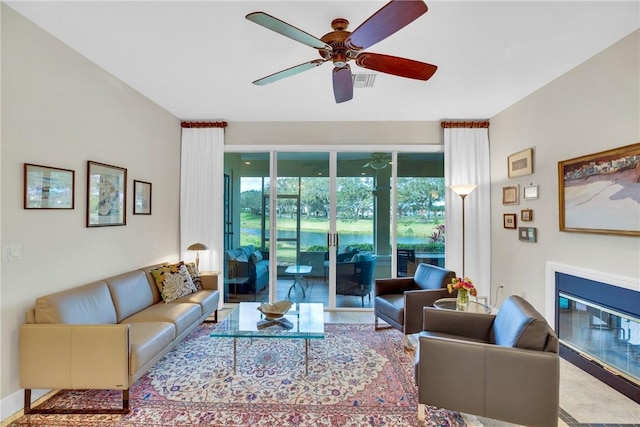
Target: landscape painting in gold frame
x,y
600,192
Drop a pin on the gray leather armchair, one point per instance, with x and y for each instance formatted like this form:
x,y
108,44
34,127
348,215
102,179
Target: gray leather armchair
x,y
399,301
503,366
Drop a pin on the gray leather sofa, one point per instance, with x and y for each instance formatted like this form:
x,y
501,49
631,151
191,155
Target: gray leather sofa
x,y
106,334
503,366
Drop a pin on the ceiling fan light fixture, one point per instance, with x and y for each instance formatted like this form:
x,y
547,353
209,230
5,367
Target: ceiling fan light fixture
x,y
378,164
361,80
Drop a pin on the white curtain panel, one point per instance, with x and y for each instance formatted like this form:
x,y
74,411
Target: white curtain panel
x,y
201,194
467,161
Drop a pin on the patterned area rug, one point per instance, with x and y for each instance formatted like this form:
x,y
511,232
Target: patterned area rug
x,y
357,377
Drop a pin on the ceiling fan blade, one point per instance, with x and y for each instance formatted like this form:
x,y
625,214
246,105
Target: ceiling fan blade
x,y
394,16
342,84
289,72
286,30
397,66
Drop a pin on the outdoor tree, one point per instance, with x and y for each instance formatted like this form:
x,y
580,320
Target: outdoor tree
x,y
315,196
354,196
416,195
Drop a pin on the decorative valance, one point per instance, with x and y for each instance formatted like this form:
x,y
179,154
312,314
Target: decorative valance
x,y
464,124
203,124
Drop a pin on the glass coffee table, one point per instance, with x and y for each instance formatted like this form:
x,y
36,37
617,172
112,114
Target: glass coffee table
x,y
302,321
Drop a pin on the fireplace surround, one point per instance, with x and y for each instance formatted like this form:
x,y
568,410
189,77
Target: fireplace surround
x,y
597,319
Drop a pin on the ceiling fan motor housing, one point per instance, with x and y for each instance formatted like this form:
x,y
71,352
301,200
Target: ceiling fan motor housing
x,y
339,54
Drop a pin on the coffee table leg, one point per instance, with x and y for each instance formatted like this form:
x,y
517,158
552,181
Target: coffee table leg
x,y
234,356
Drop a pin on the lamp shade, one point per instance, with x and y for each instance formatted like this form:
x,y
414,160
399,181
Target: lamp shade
x,y
198,247
463,190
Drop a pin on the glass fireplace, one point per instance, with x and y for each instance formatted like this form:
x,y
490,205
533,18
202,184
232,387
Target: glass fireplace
x,y
601,335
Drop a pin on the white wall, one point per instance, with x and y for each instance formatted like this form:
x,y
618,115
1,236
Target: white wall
x,y
594,107
59,109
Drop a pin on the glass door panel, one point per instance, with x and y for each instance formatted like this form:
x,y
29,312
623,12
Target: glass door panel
x,y
420,220
302,224
246,259
362,225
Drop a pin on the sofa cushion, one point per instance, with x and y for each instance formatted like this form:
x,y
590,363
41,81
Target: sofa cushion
x,y
208,300
183,315
173,281
147,339
518,324
88,304
131,292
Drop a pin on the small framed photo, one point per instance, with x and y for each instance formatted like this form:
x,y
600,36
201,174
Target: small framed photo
x,y
509,220
48,188
141,198
510,195
106,195
530,193
528,234
526,215
520,163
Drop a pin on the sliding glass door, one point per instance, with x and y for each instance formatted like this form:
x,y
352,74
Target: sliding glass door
x,y
322,226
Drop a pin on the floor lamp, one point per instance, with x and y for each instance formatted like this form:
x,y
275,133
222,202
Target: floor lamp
x,y
463,191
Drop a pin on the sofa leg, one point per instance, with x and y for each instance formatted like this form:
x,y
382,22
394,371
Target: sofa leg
x,y
421,412
375,323
28,409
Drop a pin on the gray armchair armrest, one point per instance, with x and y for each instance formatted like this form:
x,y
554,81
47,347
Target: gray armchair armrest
x,y
476,326
506,383
393,285
414,301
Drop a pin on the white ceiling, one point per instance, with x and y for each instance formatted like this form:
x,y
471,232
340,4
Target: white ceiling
x,y
197,59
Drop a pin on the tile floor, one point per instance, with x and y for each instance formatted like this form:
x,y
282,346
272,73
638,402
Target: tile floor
x,y
584,400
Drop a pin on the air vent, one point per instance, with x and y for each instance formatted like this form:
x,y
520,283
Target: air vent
x,y
363,80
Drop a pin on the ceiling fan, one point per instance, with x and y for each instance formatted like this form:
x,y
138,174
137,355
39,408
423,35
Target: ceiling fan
x,y
378,161
341,46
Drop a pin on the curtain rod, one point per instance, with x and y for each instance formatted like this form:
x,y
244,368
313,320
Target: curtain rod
x,y
464,124
203,124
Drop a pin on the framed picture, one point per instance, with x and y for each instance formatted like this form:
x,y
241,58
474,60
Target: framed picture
x,y
510,195
526,215
530,193
106,195
509,220
520,163
596,192
141,198
48,188
528,234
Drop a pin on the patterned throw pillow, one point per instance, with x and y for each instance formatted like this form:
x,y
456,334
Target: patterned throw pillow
x,y
195,275
173,281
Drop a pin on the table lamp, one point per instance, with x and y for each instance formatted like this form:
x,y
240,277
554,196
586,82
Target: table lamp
x,y
198,247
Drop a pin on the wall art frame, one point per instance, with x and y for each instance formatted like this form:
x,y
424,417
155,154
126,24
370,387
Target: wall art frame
x,y
510,195
528,234
46,187
141,197
530,192
520,163
509,220
601,182
106,195
526,215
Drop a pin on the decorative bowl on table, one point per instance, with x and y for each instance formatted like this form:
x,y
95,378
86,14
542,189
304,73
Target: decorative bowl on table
x,y
275,310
